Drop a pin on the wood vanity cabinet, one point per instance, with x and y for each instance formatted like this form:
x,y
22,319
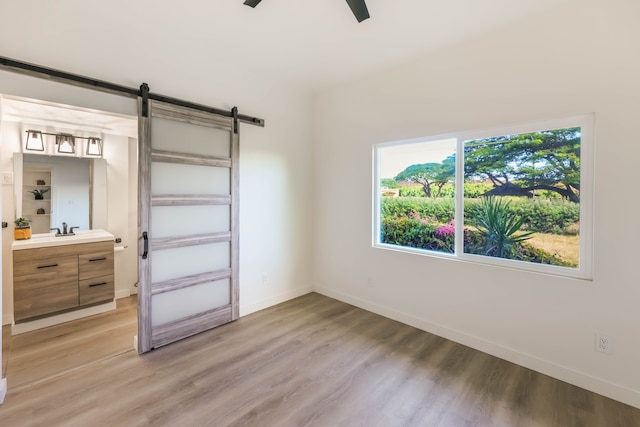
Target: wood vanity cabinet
x,y
95,275
56,279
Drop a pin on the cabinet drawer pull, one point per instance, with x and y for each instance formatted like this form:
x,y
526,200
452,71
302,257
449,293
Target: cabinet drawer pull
x,y
48,266
98,259
97,284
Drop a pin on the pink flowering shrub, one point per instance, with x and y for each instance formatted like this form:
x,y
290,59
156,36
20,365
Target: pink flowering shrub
x,y
417,217
446,230
418,232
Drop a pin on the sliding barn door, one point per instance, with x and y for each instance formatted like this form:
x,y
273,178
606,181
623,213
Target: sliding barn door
x,y
188,217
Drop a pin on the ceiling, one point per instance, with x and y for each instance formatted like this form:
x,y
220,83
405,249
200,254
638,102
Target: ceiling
x,y
308,45
49,117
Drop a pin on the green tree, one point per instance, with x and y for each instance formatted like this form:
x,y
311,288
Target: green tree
x,y
389,183
430,175
519,165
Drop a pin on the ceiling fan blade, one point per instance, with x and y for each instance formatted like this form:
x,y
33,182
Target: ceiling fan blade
x,y
359,9
252,3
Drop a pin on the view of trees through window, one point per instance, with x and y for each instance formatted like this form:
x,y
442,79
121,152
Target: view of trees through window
x,y
520,193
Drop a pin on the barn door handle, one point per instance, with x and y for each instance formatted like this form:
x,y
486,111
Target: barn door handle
x,y
145,249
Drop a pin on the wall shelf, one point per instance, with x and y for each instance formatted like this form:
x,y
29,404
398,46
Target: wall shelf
x,y
40,223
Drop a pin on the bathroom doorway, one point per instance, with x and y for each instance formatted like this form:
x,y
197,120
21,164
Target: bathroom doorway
x,y
53,349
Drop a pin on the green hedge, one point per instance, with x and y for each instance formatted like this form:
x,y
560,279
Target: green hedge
x,y
544,216
437,210
411,192
547,216
413,233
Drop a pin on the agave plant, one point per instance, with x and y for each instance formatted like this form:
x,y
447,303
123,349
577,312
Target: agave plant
x,y
22,222
500,227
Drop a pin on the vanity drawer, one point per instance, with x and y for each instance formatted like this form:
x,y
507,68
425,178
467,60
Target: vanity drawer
x,y
44,300
96,264
97,289
43,286
33,274
37,254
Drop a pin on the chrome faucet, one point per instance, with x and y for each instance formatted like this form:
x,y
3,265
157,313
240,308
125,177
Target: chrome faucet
x,y
64,228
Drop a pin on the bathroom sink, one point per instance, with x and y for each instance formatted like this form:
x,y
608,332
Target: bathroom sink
x,y
50,239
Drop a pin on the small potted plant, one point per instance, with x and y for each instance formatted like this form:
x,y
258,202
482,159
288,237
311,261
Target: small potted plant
x,y
39,193
23,229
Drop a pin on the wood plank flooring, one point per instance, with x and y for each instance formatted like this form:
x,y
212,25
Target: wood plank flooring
x,y
312,361
44,353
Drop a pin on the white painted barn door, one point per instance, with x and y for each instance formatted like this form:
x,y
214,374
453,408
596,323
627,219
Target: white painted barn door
x,y
188,223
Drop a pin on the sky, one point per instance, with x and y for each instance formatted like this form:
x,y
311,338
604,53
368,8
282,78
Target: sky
x,y
396,158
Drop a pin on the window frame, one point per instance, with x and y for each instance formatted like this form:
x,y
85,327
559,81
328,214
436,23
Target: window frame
x,y
584,270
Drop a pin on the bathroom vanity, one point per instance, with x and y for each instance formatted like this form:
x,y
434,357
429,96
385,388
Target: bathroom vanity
x,y
54,275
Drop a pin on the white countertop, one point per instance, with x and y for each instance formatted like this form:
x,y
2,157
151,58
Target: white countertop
x,y
49,239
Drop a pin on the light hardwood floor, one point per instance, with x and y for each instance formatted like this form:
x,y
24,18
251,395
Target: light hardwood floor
x,y
311,361
45,353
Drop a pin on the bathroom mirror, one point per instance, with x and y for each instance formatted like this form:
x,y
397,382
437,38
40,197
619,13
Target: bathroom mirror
x,y
74,191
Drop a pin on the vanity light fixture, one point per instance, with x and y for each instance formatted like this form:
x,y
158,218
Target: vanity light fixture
x,y
66,143
34,141
94,146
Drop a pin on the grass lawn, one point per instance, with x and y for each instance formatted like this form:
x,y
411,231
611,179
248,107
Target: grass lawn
x,y
564,247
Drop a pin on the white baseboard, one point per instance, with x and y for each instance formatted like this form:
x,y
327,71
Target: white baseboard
x,y
21,328
122,293
3,389
563,373
268,302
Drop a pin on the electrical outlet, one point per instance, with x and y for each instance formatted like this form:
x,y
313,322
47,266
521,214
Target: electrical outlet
x,y
369,282
7,178
603,343
265,279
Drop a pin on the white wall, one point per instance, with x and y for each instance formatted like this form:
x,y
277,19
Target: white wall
x,y
276,215
122,178
10,133
568,61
